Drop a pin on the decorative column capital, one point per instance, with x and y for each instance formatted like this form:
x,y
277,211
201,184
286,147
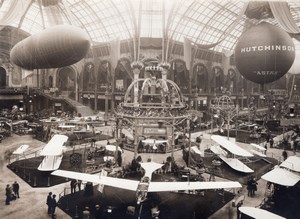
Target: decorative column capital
x,y
137,65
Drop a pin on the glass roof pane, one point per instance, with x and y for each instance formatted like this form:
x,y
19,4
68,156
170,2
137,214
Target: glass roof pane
x,y
203,22
151,18
208,26
30,23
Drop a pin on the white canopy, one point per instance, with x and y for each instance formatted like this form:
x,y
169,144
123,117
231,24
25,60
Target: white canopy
x,y
231,147
281,176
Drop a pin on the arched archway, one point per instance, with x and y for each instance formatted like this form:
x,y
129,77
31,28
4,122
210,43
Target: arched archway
x,y
123,74
293,85
104,77
217,83
200,76
231,80
179,74
2,77
50,81
243,85
66,79
88,76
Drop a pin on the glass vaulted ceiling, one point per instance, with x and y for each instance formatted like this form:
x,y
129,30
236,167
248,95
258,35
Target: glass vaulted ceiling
x,y
201,21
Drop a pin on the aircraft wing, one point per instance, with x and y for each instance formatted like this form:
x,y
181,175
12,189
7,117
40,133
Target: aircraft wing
x,y
259,213
282,177
175,186
96,178
20,150
230,146
292,163
55,146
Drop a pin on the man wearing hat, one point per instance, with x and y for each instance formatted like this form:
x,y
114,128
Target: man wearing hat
x,y
97,212
86,213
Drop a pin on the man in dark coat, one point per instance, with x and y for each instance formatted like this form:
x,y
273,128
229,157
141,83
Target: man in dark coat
x,y
16,188
73,185
53,205
78,183
97,212
253,187
48,202
8,194
249,187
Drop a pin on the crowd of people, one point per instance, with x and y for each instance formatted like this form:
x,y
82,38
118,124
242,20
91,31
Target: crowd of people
x,y
251,186
51,203
12,192
75,183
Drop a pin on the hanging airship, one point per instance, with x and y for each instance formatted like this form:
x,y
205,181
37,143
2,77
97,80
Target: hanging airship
x,y
264,53
54,47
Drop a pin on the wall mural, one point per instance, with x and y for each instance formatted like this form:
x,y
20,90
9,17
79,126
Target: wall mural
x,y
104,76
88,78
66,79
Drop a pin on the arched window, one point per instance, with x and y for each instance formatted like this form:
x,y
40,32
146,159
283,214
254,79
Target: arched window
x,y
2,77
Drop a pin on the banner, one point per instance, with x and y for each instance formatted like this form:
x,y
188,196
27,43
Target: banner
x,y
187,52
115,52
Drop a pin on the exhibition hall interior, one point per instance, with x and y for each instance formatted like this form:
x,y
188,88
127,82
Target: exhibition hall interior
x,y
149,109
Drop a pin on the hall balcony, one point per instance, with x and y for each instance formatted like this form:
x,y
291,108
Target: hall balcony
x,y
13,90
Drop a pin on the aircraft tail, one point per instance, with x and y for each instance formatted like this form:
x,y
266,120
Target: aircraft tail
x,y
150,167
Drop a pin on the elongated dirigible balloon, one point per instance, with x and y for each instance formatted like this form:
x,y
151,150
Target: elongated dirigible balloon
x,y
54,47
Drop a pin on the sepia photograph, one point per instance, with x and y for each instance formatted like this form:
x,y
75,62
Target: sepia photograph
x,y
149,109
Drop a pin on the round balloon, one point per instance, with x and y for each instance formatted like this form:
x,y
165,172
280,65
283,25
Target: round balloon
x,y
264,53
295,69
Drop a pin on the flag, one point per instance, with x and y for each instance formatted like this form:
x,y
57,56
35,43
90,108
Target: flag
x,y
226,60
115,52
187,52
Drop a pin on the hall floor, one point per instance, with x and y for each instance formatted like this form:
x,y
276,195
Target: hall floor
x,y
32,202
